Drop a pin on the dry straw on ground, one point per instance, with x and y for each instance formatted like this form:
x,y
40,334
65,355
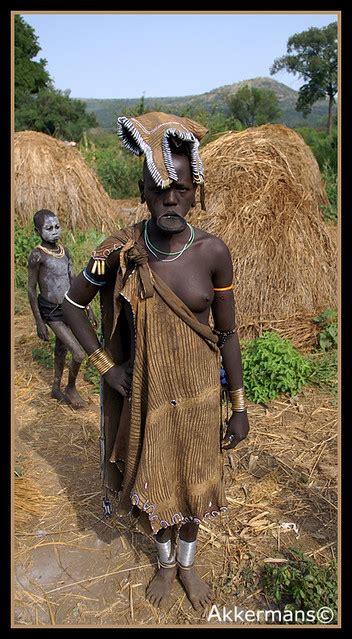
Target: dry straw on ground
x,y
264,194
74,566
50,174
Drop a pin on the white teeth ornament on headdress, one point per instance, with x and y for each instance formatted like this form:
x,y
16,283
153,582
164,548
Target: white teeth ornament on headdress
x,y
151,133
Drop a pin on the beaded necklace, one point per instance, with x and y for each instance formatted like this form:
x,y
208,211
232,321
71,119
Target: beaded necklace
x,y
178,254
59,253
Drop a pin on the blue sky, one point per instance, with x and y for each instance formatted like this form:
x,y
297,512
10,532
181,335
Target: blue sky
x,y
127,55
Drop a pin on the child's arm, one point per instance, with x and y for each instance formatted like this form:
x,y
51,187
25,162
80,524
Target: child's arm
x,y
33,272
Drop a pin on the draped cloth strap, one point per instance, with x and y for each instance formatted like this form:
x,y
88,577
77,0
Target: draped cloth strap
x,y
131,250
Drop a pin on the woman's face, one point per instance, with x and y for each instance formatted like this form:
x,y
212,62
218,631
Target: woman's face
x,y
168,205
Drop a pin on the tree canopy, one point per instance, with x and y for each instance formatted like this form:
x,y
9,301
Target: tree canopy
x,y
30,76
252,106
312,55
38,105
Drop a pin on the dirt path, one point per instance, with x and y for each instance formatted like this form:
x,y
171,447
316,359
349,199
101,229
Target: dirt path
x,y
72,567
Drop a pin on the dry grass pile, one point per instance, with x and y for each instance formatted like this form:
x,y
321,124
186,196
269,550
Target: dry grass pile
x,y
50,174
263,194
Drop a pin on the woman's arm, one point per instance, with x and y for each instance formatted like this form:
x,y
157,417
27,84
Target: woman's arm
x,y
80,294
223,310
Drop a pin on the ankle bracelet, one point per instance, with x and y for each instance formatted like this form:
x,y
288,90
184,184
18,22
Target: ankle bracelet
x,y
185,553
185,567
161,564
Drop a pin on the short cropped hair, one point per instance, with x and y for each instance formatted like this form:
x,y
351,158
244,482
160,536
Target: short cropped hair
x,y
38,217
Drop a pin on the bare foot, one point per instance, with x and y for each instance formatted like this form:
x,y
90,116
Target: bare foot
x,y
160,585
56,393
74,397
198,591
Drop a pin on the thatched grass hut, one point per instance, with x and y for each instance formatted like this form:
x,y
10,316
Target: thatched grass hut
x,y
264,194
51,174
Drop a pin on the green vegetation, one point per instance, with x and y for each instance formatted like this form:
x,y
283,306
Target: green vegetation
x,y
38,105
324,148
253,107
44,354
118,170
323,362
327,322
91,375
330,211
312,55
323,371
301,584
271,366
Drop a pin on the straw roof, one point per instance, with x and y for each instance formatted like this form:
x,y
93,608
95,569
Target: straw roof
x,y
51,174
264,194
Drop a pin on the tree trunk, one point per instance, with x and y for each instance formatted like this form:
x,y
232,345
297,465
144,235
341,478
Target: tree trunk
x,y
331,100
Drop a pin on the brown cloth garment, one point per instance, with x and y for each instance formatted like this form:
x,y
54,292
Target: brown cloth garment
x,y
160,450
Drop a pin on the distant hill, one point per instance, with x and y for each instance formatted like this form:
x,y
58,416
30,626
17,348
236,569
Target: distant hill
x,y
108,110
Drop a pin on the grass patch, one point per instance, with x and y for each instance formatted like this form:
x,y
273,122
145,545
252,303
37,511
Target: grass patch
x,y
323,369
301,585
44,354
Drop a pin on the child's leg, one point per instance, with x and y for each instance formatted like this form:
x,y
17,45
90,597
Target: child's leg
x,y
59,363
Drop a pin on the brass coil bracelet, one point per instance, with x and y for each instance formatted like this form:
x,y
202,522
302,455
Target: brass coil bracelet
x,y
237,400
101,360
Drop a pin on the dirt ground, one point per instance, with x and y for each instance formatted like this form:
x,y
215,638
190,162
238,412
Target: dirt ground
x,y
73,567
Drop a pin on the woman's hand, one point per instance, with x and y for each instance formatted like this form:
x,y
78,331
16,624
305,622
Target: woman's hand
x,y
237,430
120,378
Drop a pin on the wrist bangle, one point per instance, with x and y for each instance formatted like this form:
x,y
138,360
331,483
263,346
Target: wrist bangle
x,y
237,400
101,360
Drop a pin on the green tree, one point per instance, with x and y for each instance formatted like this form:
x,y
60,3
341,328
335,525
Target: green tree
x,y
252,106
30,76
55,113
312,55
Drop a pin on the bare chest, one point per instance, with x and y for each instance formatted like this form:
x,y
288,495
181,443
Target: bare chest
x,y
189,277
54,278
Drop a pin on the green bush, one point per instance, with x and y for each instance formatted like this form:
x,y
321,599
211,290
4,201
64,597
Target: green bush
x,y
301,584
271,366
328,333
323,146
330,211
118,170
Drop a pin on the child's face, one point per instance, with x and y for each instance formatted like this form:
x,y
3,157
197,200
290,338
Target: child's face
x,y
51,229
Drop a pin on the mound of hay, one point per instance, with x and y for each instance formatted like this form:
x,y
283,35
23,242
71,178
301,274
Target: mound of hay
x,y
263,192
53,175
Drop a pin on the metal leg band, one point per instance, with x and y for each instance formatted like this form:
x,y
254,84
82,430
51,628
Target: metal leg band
x,y
161,564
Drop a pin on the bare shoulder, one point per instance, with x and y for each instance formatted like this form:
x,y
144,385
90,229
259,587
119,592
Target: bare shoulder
x,y
214,244
35,257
